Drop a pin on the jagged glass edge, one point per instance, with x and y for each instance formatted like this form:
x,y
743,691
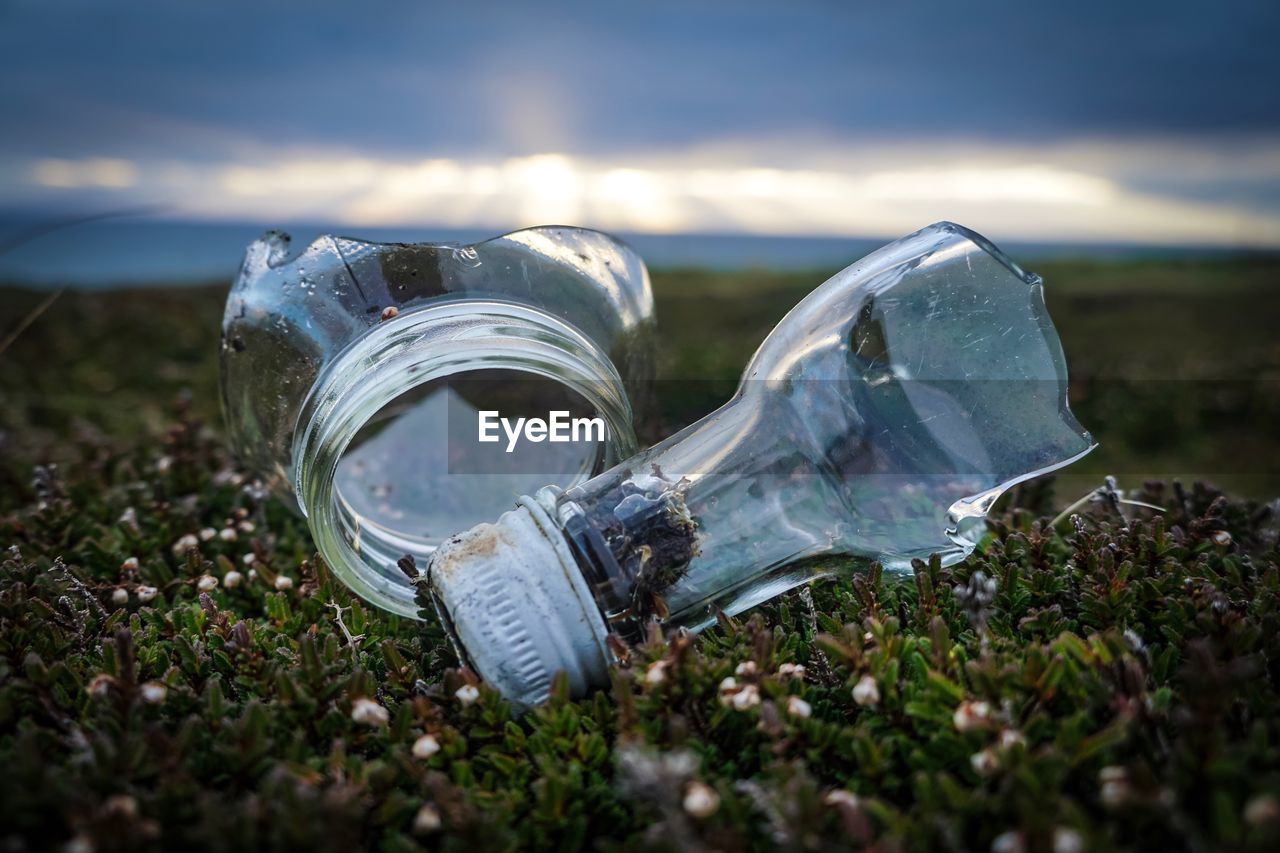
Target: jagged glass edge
x,y
292,255
975,507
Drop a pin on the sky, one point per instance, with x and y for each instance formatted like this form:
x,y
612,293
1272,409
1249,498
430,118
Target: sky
x,y
1133,122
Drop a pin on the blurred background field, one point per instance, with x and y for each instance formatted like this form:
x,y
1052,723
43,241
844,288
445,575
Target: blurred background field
x,y
1175,364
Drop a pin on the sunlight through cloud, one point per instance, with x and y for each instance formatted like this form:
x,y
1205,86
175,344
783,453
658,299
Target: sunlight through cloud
x,y
1016,194
107,173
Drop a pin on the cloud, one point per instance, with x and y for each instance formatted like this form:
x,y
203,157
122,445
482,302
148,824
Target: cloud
x,y
586,78
1089,121
104,172
1140,191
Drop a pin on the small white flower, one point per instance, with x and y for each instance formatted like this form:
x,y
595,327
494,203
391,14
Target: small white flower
x,y
122,805
184,544
985,762
1008,842
246,527
841,797
154,692
120,596
868,637
207,533
1009,738
972,715
1115,788
227,534
163,464
746,698
425,747
798,708
79,844
746,669
146,593
427,820
866,692
1262,810
284,583
791,670
1113,773
207,583
100,685
728,689
249,559
1067,840
129,565
467,694
700,800
232,579
369,713
656,673
1221,538
253,575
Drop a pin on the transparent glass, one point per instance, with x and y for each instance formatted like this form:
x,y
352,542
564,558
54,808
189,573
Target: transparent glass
x,y
880,420
352,375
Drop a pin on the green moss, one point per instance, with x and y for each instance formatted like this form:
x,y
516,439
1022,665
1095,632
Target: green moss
x,y
1119,685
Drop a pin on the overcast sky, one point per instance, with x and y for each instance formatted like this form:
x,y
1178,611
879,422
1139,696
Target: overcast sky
x,y
1089,120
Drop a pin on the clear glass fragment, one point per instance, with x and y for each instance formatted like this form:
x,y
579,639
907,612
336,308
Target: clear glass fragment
x,y
349,369
880,419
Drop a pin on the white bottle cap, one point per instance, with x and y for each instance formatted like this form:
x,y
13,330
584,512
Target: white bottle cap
x,y
519,606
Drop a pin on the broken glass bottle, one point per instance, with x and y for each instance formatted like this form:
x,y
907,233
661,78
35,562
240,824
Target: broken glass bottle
x,y
353,374
879,420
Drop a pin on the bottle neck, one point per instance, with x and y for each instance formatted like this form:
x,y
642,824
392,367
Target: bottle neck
x,y
407,352
515,602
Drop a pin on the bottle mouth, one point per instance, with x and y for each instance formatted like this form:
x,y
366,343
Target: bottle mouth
x,y
362,543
